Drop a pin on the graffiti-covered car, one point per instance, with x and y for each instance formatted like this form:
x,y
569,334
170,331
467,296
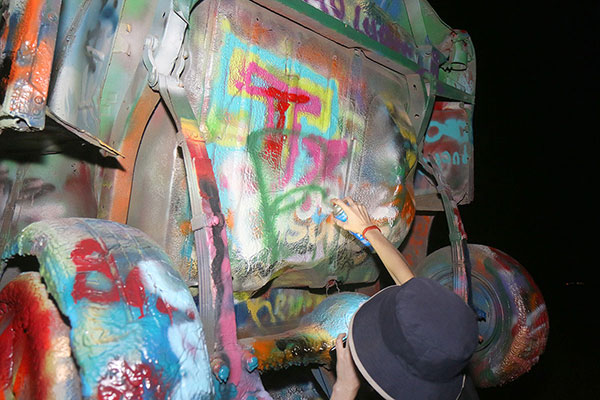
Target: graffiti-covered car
x,y
166,176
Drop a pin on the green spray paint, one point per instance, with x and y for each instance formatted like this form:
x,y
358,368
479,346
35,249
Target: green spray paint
x,y
270,208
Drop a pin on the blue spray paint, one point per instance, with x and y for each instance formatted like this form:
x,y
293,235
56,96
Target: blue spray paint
x,y
341,215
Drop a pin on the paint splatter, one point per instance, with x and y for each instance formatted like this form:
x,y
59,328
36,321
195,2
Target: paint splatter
x,y
135,382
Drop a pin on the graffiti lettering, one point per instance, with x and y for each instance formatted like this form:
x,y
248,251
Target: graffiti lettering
x,y
380,32
365,18
92,258
335,8
135,295
277,91
455,130
166,308
283,102
299,231
97,279
257,305
455,158
276,307
296,158
258,90
325,156
321,157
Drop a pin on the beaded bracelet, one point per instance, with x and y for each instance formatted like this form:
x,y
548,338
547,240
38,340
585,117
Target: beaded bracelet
x,y
368,228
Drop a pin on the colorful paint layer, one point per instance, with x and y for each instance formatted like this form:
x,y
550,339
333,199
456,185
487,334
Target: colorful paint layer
x,y
35,351
135,329
311,341
513,319
289,126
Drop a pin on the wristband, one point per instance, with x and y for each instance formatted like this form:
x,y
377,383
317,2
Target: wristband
x,y
368,228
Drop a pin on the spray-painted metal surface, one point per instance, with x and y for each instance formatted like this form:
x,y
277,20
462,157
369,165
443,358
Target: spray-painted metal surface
x,y
311,341
35,354
449,142
133,321
511,312
221,129
513,321
275,311
287,130
28,38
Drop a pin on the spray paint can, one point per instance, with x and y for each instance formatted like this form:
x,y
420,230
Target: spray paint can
x,y
341,215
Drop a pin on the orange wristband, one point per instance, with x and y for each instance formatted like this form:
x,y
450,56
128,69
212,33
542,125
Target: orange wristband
x,y
368,228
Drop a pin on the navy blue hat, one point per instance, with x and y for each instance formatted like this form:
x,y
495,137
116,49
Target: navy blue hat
x,y
414,341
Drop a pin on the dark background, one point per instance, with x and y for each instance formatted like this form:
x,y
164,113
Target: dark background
x,y
536,170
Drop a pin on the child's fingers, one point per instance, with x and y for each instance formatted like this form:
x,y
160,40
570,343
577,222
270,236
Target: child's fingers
x,y
340,203
339,341
339,223
350,201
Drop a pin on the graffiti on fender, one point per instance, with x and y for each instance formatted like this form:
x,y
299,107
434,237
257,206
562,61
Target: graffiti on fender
x,y
92,258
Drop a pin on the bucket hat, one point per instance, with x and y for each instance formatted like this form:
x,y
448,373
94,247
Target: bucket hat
x,y
414,341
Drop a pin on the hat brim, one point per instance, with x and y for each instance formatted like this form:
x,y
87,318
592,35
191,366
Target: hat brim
x,y
387,373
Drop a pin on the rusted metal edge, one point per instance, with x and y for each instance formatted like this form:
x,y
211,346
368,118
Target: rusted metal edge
x,y
88,137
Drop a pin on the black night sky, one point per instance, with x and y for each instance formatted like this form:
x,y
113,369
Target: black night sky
x,y
536,170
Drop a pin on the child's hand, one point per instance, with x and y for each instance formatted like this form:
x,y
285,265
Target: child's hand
x,y
347,383
358,217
